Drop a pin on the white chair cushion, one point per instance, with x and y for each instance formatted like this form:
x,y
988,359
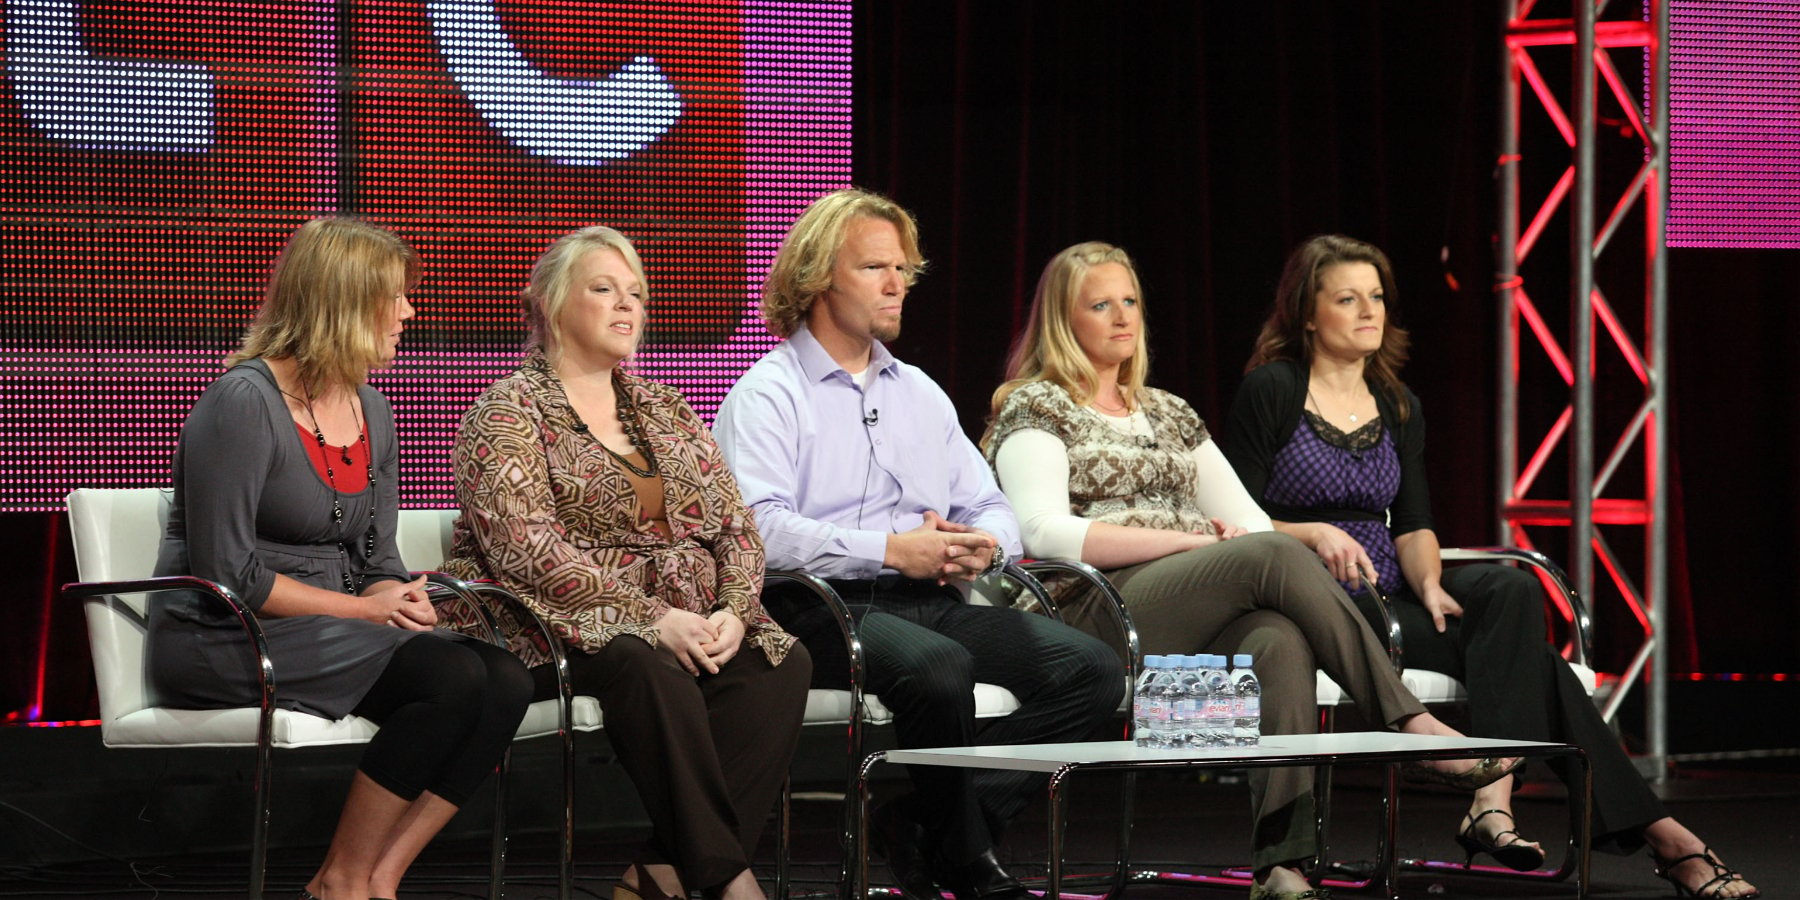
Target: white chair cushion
x,y
1329,694
832,707
161,727
1436,687
585,714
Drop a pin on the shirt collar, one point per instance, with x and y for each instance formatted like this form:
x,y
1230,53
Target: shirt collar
x,y
818,364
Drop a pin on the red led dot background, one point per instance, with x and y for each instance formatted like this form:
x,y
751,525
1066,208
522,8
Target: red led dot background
x,y
159,153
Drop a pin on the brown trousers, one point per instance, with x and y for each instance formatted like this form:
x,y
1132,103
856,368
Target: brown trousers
x,y
1269,596
708,755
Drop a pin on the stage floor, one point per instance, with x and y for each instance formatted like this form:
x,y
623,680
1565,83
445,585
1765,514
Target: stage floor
x,y
1751,812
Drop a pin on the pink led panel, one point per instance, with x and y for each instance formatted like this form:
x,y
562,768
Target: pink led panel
x,y
1734,140
159,151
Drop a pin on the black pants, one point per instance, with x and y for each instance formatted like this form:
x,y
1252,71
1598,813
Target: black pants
x,y
708,755
925,648
448,708
1520,689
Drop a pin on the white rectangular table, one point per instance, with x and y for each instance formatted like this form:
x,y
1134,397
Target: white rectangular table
x,y
1059,761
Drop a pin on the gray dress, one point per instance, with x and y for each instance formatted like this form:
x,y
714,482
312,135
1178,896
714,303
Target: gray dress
x,y
248,505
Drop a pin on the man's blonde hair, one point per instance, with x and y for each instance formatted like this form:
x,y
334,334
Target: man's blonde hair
x,y
554,272
802,267
329,295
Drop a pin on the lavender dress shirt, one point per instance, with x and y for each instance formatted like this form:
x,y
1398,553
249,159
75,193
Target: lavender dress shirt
x,y
831,469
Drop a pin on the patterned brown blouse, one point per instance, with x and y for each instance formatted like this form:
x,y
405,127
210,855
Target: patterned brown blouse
x,y
1113,477
549,515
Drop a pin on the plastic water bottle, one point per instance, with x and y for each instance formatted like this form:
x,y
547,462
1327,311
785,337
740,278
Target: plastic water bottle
x,y
1168,688
1246,730
1190,696
1145,698
1221,702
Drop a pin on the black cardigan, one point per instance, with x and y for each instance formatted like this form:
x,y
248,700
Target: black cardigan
x,y
1268,408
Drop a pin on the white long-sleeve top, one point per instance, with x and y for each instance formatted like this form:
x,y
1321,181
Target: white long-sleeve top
x,y
1033,467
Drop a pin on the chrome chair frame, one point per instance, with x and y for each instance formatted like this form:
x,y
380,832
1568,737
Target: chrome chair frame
x,y
485,595
851,839
444,587
1577,650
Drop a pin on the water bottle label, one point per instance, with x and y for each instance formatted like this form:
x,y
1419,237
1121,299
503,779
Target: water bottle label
x,y
1249,706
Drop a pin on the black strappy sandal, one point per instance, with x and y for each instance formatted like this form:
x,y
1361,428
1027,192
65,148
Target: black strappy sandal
x,y
1722,876
1516,854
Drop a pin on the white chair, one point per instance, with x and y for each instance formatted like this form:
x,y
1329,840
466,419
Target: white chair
x,y
787,593
116,535
425,534
423,537
1437,688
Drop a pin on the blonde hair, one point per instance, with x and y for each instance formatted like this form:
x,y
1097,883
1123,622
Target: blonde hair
x,y
1048,349
328,297
554,272
802,267
1285,335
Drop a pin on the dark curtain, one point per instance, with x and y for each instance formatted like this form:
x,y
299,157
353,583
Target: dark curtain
x,y
1208,139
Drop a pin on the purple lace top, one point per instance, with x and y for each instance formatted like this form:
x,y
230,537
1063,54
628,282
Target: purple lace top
x,y
1321,466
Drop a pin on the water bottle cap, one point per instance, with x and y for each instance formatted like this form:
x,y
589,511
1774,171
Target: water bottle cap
x,y
1153,661
1241,661
1215,661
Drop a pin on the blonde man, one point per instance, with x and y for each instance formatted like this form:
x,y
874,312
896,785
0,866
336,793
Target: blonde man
x,y
856,471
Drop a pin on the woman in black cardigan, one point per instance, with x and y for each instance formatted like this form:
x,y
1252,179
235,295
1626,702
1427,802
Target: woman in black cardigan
x,y
1331,443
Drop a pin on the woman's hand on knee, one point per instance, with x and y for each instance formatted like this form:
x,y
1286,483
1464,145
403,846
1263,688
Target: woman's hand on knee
x,y
686,635
1439,603
402,605
1342,554
730,630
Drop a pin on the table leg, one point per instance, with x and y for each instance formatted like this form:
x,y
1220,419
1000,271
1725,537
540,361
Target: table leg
x,y
859,883
1053,889
1585,836
1390,845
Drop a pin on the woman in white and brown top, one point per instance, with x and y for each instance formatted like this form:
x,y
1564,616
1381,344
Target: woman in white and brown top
x,y
1122,476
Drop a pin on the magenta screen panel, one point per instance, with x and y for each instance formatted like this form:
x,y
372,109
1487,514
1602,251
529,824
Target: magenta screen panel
x,y
158,152
1734,140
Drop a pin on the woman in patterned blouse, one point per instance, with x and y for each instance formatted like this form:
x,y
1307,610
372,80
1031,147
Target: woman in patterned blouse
x,y
1102,468
1332,444
601,500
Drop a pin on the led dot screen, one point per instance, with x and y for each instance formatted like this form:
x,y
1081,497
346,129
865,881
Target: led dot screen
x,y
159,153
1734,137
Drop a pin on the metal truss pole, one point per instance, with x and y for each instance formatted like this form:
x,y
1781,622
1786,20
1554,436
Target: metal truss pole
x,y
1590,508
1581,305
1506,277
1657,321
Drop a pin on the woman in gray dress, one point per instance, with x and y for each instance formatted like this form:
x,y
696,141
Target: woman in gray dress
x,y
286,493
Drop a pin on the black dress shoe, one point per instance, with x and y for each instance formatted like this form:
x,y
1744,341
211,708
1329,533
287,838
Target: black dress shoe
x,y
981,879
900,840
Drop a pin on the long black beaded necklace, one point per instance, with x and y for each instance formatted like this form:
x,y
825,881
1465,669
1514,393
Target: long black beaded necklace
x,y
629,420
337,505
634,431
